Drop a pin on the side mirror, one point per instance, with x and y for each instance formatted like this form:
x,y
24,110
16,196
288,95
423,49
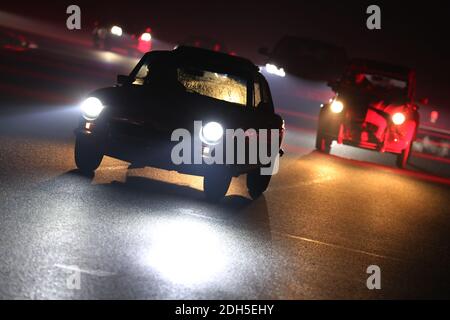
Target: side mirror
x,y
263,51
122,79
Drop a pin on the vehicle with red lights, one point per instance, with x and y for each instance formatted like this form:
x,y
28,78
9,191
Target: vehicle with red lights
x,y
305,58
168,90
13,41
373,108
114,37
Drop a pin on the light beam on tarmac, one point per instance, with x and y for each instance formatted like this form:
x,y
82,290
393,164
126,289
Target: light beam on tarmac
x,y
186,251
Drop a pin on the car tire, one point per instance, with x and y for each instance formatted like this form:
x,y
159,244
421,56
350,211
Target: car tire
x,y
215,186
257,183
323,143
88,154
403,157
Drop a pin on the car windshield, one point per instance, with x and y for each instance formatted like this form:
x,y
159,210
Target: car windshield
x,y
166,72
216,85
376,83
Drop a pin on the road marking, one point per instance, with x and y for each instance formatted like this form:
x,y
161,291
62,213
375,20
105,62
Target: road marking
x,y
337,246
97,273
295,237
190,212
318,242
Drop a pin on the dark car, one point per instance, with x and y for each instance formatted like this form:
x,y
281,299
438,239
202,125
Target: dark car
x,y
170,90
112,36
306,58
373,108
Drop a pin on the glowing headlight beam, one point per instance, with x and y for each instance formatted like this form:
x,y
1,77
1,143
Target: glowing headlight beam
x,y
211,133
186,252
273,69
146,37
91,108
117,31
336,106
398,118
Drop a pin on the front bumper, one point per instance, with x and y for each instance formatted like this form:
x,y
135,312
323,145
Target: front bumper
x,y
156,151
371,130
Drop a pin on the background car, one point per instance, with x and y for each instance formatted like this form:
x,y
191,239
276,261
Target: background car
x,y
113,36
305,58
13,41
373,108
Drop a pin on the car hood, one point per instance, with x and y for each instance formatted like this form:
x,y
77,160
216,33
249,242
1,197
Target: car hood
x,y
166,112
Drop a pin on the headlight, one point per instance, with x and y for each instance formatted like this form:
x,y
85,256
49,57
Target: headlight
x,y
273,69
398,118
337,106
211,133
117,31
91,108
146,37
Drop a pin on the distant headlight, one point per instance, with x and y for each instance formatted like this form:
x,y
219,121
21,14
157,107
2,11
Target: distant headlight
x,y
146,37
117,31
336,106
91,108
273,69
398,118
211,133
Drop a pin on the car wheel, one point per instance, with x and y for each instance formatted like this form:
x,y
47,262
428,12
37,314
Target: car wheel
x,y
257,183
403,157
88,154
323,143
215,186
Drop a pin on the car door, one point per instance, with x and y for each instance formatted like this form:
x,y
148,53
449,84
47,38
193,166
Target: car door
x,y
264,108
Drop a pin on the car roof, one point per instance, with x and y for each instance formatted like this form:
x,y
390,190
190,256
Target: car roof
x,y
221,62
382,67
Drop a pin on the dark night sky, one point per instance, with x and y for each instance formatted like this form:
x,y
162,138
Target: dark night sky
x,y
415,34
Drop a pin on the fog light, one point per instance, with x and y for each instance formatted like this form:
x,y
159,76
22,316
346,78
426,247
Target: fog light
x,y
211,133
146,37
117,31
336,106
398,118
91,108
273,69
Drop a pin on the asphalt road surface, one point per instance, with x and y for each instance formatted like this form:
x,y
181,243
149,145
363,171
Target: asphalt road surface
x,y
149,234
